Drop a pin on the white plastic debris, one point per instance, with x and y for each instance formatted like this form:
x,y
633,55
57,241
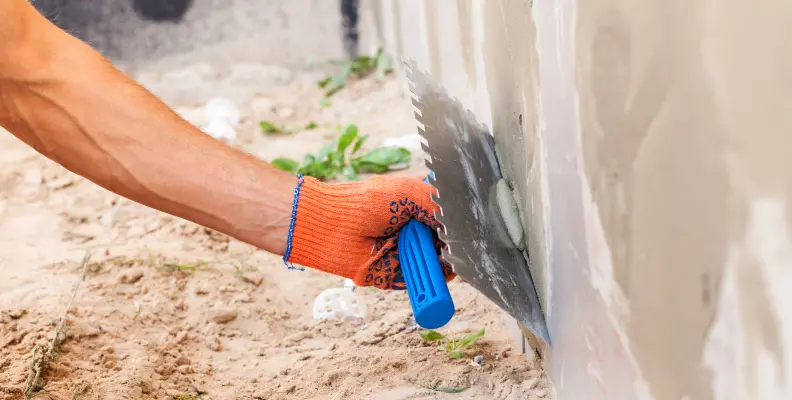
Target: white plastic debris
x,y
221,117
220,130
222,109
339,303
410,142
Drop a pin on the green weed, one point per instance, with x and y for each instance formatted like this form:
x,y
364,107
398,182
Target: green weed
x,y
454,348
270,128
340,158
242,268
185,396
380,63
184,267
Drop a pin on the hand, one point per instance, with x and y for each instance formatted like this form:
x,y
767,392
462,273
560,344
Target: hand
x,y
351,229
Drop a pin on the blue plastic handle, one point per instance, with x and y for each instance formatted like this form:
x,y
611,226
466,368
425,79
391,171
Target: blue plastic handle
x,y
426,286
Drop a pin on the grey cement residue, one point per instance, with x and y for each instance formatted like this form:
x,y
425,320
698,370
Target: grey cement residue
x,y
509,213
510,60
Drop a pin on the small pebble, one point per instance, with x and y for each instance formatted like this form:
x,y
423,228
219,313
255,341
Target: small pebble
x,y
254,279
185,369
242,298
130,277
223,316
180,337
183,361
16,313
136,231
213,342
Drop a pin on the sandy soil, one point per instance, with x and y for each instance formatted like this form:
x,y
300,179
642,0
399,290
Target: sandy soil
x,y
170,310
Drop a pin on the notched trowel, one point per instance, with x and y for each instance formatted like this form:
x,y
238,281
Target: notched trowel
x,y
476,203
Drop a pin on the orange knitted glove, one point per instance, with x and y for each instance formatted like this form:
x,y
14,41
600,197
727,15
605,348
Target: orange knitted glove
x,y
351,229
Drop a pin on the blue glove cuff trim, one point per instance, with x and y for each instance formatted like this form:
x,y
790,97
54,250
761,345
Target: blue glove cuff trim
x,y
296,203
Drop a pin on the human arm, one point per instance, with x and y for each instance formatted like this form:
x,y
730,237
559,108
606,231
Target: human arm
x,y
68,102
73,106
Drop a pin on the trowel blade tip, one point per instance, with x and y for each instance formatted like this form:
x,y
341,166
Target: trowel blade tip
x,y
538,327
543,334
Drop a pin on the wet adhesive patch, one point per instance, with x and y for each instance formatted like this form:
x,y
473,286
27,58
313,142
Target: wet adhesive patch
x,y
509,213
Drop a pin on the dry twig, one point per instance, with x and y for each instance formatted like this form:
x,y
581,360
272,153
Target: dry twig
x,y
41,355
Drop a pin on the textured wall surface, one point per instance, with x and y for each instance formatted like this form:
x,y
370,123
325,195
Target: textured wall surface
x,y
649,142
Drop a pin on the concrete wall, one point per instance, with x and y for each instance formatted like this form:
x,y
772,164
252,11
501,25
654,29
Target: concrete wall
x,y
650,144
170,33
188,51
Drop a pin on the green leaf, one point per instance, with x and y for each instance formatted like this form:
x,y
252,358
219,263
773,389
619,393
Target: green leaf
x,y
431,335
359,143
323,83
384,63
336,160
325,102
307,160
380,63
470,339
363,65
286,164
311,125
349,135
350,174
269,127
338,81
318,170
380,159
367,167
326,149
458,353
332,159
386,156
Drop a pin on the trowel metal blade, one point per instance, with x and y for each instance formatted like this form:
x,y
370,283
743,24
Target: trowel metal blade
x,y
462,156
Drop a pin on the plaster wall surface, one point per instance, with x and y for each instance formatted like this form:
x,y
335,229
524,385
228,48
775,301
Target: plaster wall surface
x,y
649,145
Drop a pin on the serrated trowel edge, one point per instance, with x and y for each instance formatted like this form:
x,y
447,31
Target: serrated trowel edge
x,y
410,72
417,82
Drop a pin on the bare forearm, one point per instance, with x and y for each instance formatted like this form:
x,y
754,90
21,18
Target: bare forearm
x,y
78,110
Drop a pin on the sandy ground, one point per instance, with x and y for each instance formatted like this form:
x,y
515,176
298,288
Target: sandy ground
x,y
170,310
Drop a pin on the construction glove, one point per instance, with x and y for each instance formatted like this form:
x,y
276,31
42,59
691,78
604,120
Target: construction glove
x,y
351,229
